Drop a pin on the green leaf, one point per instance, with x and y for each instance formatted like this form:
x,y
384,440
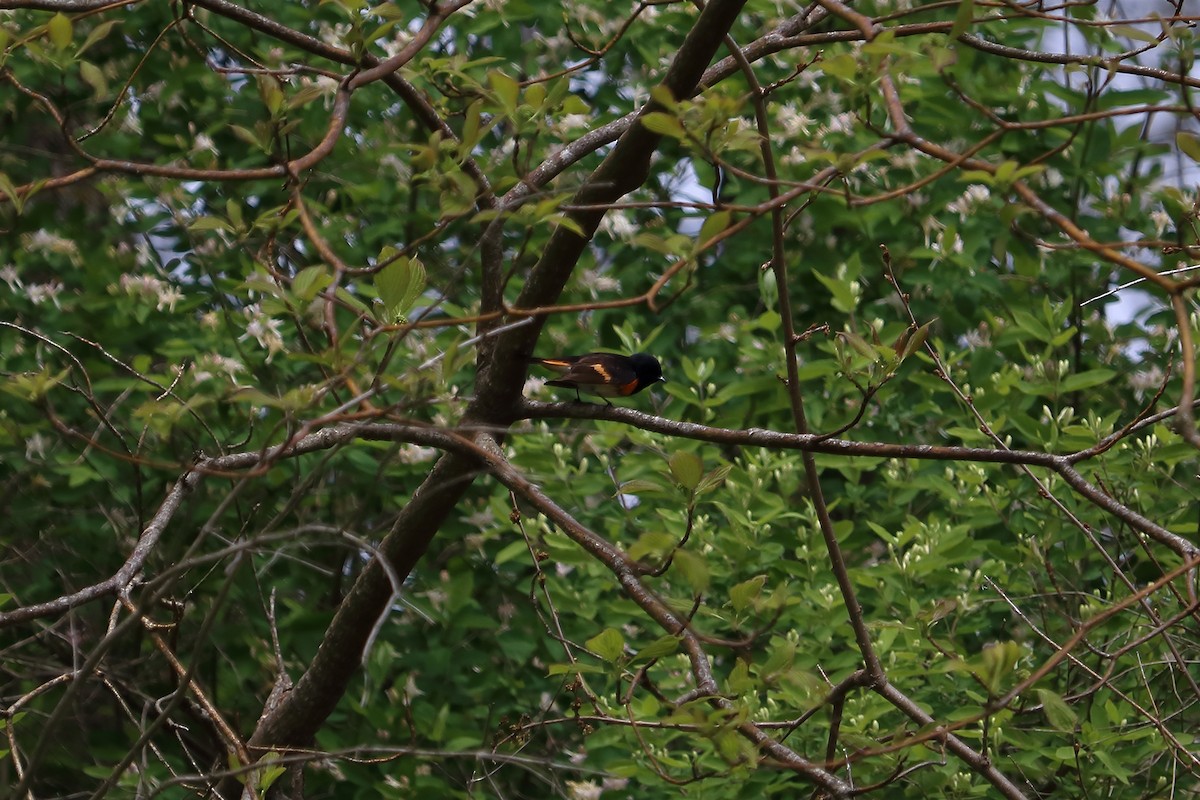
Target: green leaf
x,y
399,283
654,543
569,669
507,89
859,344
9,191
1111,765
686,468
997,663
917,340
1060,715
535,95
1086,380
94,78
713,479
640,485
60,30
844,296
664,124
746,592
309,281
269,774
693,568
209,224
713,225
271,93
608,644
96,34
1188,144
509,552
1032,325
662,646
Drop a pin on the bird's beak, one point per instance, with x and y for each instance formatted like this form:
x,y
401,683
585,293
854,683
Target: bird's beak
x,y
662,380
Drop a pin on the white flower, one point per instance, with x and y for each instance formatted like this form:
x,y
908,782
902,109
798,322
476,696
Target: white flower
x,y
264,330
8,274
168,297
840,123
203,141
583,790
46,242
976,195
616,223
210,365
35,446
39,293
1161,220
571,122
793,122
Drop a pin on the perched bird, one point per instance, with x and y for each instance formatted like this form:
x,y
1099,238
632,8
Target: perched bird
x,y
604,374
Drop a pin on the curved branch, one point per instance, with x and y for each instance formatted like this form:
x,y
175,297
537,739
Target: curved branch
x,y
758,437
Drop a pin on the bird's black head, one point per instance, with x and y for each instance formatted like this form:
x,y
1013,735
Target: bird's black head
x,y
647,368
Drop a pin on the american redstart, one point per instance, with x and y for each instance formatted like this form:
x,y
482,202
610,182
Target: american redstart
x,y
604,374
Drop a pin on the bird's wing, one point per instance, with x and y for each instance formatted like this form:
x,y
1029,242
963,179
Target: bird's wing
x,y
595,368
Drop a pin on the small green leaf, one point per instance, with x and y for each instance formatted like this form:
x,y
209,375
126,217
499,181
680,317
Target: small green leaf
x,y
662,646
471,125
309,281
693,568
686,468
917,340
713,479
844,295
1060,715
665,124
713,225
860,344
507,89
1188,144
746,592
569,669
997,663
93,77
640,485
1086,379
535,95
96,34
209,224
511,551
267,775
608,644
399,283
8,191
59,29
271,93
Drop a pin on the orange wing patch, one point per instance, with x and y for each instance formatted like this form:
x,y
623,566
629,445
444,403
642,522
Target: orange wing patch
x,y
602,372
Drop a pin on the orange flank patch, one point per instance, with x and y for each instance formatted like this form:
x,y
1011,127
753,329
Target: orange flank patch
x,y
629,388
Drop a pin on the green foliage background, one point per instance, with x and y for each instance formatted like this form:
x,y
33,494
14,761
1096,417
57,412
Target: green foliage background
x,y
154,317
